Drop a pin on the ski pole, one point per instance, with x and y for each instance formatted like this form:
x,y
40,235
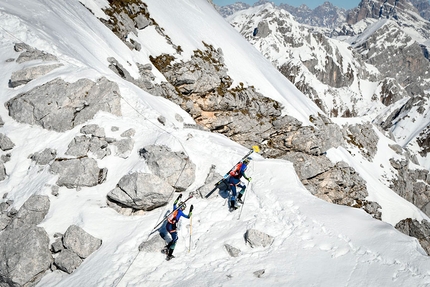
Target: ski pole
x,y
191,231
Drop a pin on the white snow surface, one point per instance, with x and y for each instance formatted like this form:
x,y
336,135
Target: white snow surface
x,y
315,243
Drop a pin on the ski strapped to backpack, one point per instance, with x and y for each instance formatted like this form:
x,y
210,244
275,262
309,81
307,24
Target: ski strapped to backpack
x,y
173,211
254,149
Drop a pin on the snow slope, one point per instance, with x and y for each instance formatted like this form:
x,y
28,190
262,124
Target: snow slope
x,y
316,243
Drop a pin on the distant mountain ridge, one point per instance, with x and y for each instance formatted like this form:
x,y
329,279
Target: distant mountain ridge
x,y
326,15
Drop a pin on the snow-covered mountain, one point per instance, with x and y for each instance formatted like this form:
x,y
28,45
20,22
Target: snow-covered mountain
x,y
112,108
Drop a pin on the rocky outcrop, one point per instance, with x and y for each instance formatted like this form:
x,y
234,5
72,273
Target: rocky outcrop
x,y
73,248
44,157
60,106
419,230
32,212
174,167
139,191
412,184
24,247
24,255
26,75
79,172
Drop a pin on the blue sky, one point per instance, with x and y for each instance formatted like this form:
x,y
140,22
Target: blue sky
x,y
347,4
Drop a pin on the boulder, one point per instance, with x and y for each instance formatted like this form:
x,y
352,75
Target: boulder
x,y
232,251
81,145
80,242
44,157
128,133
78,172
5,142
26,75
257,238
93,130
67,261
29,53
141,191
212,178
60,106
32,212
3,174
175,167
153,245
24,255
419,230
124,147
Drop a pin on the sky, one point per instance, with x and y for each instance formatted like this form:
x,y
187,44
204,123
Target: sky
x,y
310,3
314,242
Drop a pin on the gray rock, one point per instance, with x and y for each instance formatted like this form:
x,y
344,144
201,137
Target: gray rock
x,y
175,167
26,75
29,53
78,172
55,190
141,191
257,238
81,145
211,179
124,147
128,133
32,212
24,255
232,251
3,174
44,157
141,22
94,130
67,261
259,273
179,118
5,220
5,157
153,245
5,142
419,230
80,242
59,105
162,120
57,246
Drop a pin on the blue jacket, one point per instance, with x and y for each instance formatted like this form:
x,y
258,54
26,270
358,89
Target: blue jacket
x,y
179,214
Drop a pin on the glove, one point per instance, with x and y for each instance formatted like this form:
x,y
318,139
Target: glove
x,y
179,197
248,178
191,208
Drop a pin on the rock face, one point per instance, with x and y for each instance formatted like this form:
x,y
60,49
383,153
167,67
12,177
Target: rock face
x,y
140,191
24,247
412,184
414,228
174,167
78,172
24,255
59,106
